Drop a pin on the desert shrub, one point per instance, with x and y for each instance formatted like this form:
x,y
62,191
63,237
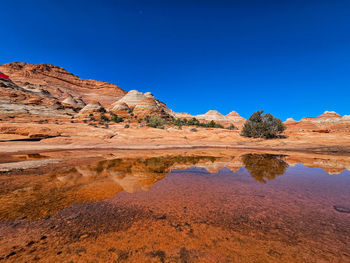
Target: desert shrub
x,y
156,122
262,126
196,122
178,122
127,126
213,124
104,118
231,127
116,118
193,122
102,110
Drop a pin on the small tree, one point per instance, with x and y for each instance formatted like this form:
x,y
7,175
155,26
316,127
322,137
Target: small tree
x,y
262,126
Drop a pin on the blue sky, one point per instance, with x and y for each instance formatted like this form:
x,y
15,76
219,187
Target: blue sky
x,y
290,58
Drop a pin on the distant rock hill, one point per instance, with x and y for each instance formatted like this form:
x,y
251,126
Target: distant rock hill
x,y
327,122
231,118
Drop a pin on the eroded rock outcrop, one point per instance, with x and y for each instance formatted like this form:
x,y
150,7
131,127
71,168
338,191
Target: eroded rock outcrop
x,y
236,119
149,107
59,82
76,103
141,105
121,109
21,105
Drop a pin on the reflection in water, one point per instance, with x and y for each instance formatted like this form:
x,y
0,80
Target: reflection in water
x,y
199,213
264,166
37,196
40,196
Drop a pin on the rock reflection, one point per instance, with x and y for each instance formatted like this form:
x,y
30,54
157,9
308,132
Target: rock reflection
x,y
35,196
263,167
39,195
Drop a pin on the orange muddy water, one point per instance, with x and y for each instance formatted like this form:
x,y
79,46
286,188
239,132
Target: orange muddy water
x,y
248,208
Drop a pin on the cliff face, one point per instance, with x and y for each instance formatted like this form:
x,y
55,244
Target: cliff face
x,y
60,83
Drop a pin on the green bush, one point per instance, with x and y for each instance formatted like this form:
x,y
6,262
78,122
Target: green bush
x,y
196,122
156,122
262,126
104,118
193,122
116,118
231,127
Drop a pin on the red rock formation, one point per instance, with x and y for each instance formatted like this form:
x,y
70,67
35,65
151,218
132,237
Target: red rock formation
x,y
236,119
329,121
121,109
143,104
23,105
149,107
59,82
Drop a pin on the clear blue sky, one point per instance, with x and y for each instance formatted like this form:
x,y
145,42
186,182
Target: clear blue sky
x,y
288,57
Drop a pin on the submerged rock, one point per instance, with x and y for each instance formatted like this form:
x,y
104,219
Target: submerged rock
x,y
342,209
